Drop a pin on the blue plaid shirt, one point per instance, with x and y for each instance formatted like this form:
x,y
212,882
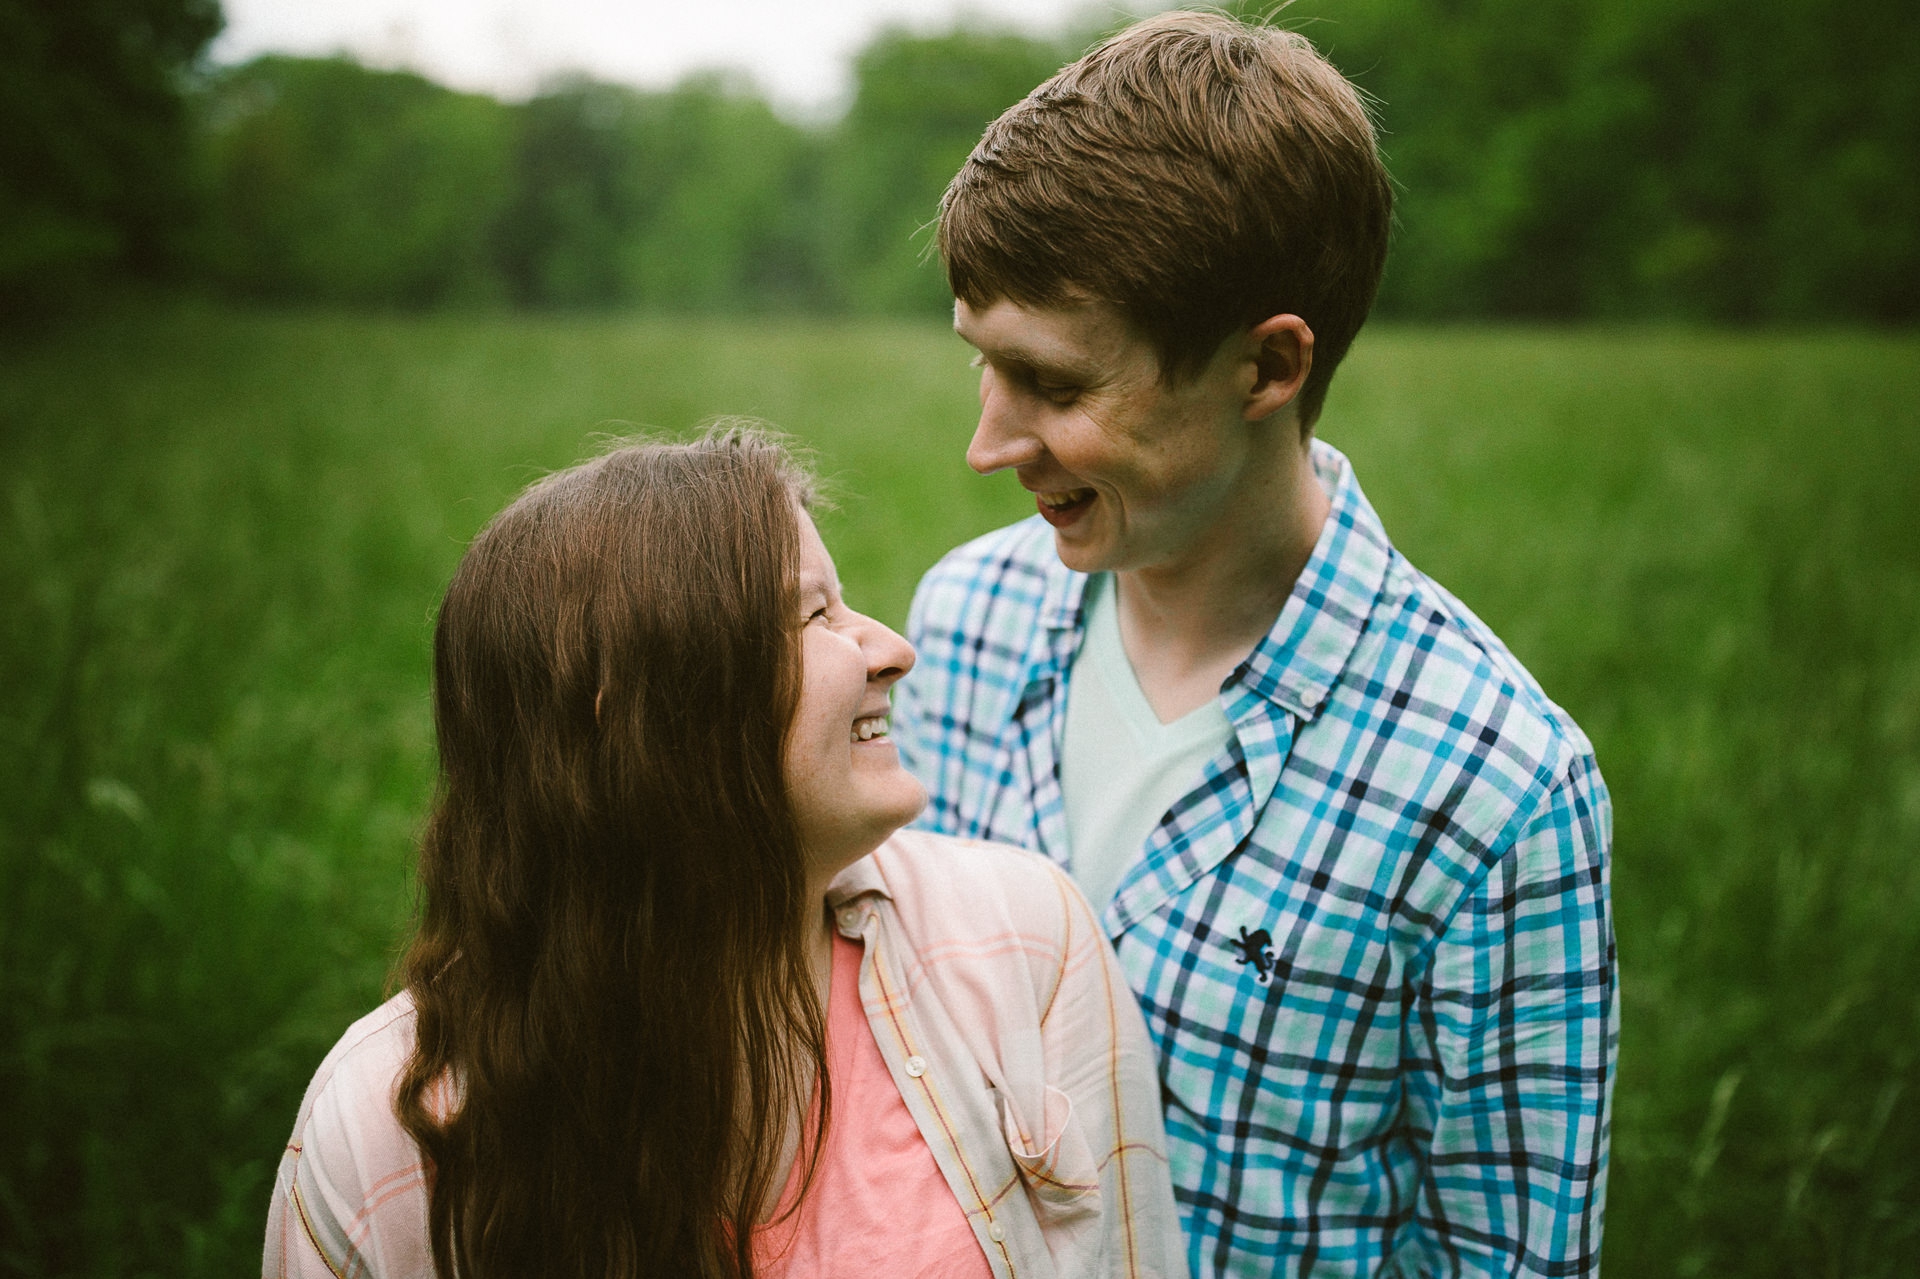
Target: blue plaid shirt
x,y
1374,944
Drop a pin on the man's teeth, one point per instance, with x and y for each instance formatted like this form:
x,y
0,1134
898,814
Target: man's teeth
x,y
865,730
1065,497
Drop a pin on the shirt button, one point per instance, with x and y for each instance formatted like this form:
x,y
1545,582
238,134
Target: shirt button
x,y
917,1066
850,918
997,1232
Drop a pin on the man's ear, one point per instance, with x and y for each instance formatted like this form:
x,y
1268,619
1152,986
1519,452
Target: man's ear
x,y
1283,357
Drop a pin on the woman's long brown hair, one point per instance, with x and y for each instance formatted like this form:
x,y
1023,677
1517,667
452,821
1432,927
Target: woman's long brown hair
x,y
617,1026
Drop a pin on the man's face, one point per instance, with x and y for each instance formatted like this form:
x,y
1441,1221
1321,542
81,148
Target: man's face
x,y
1131,473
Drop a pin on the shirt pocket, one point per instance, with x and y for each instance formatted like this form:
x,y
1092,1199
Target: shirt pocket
x,y
1055,1162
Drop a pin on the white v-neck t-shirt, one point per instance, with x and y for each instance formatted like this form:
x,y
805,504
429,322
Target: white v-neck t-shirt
x,y
1121,768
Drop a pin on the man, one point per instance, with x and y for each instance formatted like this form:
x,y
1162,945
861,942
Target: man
x,y
1353,860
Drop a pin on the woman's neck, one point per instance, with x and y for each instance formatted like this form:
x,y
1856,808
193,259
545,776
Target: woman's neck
x,y
819,944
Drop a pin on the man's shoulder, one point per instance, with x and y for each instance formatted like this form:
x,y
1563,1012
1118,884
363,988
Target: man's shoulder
x,y
974,624
1025,544
1474,655
1464,727
1007,571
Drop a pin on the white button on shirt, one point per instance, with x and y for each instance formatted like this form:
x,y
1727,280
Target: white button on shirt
x,y
916,1066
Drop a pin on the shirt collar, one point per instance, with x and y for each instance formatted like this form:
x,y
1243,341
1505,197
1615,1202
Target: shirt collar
x,y
1300,660
1296,666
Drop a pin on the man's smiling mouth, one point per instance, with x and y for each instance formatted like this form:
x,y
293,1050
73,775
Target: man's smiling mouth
x,y
1063,506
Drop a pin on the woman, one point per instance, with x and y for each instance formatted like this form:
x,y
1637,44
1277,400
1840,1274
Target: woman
x,y
679,969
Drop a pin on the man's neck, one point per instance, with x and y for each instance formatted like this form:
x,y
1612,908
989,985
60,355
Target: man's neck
x,y
1186,624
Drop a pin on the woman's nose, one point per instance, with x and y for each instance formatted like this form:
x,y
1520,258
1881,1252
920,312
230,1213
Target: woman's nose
x,y
889,656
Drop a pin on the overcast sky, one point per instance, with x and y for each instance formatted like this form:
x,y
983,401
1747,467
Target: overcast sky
x,y
798,51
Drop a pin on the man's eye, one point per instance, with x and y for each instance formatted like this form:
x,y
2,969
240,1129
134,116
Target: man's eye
x,y
1059,393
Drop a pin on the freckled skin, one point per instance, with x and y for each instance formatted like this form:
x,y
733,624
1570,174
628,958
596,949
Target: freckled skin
x,y
1199,496
1071,399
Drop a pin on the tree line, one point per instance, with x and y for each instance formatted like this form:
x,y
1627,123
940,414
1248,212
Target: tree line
x,y
1699,159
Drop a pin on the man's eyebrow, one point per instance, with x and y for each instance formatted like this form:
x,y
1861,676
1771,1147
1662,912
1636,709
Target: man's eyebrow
x,y
1035,358
1011,349
1020,354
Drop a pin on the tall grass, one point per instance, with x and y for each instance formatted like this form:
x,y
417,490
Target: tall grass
x,y
222,535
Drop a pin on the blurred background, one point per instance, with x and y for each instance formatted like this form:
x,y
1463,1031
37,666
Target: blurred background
x,y
288,309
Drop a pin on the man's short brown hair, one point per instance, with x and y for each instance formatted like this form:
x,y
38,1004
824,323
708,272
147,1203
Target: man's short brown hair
x,y
1198,173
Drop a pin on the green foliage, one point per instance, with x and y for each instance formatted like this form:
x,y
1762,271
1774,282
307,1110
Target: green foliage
x,y
1723,159
920,105
340,184
577,196
1743,160
729,186
691,199
94,150
224,533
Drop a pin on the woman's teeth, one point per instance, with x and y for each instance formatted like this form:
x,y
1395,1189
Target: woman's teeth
x,y
865,730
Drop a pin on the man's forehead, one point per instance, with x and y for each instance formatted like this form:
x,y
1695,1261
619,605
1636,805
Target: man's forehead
x,y
1041,334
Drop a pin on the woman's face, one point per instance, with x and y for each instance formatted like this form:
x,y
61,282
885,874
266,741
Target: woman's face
x,y
843,775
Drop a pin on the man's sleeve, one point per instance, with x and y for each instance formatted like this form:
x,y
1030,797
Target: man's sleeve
x,y
1512,1054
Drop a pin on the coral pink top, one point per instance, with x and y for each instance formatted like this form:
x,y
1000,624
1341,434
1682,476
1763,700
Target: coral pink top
x,y
878,1203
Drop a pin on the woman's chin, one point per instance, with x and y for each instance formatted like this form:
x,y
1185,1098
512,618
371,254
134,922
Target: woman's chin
x,y
840,839
906,803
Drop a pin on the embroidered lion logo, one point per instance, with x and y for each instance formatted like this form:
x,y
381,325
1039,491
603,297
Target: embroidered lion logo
x,y
1255,948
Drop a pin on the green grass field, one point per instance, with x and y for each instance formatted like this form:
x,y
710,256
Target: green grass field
x,y
223,534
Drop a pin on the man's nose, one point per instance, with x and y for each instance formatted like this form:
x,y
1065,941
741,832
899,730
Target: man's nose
x,y
1003,439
